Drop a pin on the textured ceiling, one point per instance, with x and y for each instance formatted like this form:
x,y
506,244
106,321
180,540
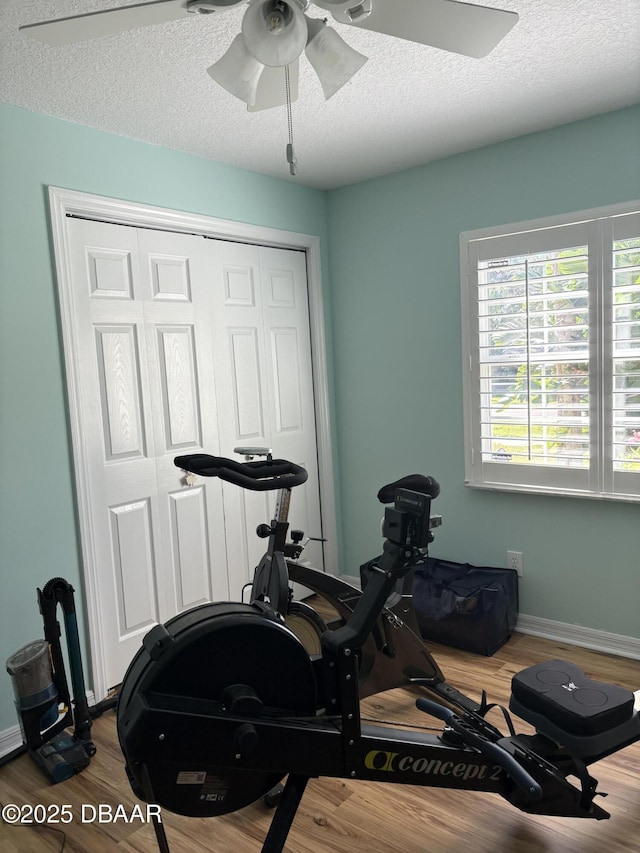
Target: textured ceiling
x,y
408,105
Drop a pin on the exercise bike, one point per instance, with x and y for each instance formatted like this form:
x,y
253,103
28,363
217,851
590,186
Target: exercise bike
x,y
393,655
224,701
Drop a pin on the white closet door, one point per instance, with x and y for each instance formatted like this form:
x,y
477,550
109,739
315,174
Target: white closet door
x,y
182,345
290,401
262,348
146,388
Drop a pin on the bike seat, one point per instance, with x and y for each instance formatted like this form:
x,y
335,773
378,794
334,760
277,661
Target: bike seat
x,y
413,482
588,717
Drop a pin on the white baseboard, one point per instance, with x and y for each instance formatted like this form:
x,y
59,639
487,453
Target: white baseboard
x,y
576,635
11,738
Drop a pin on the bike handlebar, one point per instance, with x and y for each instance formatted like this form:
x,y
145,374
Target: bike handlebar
x,y
522,778
260,476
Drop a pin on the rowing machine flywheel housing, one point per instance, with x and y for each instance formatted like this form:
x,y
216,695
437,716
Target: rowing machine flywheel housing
x,y
188,698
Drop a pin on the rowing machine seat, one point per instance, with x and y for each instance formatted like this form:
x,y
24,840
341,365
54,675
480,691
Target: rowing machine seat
x,y
586,716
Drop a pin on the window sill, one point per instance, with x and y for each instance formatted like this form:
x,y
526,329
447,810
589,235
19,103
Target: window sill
x,y
552,492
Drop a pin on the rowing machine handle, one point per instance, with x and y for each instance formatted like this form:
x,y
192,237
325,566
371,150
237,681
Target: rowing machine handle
x,y
527,784
260,476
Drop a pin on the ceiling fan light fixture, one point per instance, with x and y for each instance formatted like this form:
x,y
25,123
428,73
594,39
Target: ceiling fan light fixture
x,y
275,31
333,60
238,71
272,89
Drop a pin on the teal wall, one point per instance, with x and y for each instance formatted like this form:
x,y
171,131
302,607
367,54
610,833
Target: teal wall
x,y
393,304
38,534
395,279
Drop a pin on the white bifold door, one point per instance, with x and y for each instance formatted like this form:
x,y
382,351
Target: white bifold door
x,y
183,344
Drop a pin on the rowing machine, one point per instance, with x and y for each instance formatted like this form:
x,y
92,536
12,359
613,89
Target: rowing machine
x,y
223,701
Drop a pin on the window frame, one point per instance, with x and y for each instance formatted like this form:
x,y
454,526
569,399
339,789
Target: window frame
x,y
596,228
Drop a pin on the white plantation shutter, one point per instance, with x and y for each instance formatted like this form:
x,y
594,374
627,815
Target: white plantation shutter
x,y
551,338
624,368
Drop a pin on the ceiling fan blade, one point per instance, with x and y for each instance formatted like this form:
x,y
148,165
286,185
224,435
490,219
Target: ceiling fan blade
x,y
106,23
271,88
446,24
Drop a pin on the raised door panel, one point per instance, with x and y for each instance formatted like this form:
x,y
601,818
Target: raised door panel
x,y
169,277
247,394
287,381
239,281
110,274
179,388
191,557
133,566
118,362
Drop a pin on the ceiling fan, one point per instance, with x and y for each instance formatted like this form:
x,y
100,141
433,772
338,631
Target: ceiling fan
x,y
275,33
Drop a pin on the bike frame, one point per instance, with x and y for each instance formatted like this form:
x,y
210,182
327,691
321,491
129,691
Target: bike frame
x,y
393,654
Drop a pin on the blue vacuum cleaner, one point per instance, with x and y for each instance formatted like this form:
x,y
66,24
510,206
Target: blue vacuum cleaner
x,y
46,709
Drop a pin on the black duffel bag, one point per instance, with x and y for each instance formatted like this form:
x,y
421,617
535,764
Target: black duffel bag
x,y
468,607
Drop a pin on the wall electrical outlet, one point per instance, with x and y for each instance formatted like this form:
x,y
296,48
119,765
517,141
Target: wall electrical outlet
x,y
514,561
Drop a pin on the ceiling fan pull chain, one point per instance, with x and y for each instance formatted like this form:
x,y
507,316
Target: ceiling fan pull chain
x,y
291,157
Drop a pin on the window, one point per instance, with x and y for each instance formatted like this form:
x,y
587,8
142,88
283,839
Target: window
x,y
551,351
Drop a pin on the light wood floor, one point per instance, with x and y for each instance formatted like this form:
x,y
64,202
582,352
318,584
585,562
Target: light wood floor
x,y
339,816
